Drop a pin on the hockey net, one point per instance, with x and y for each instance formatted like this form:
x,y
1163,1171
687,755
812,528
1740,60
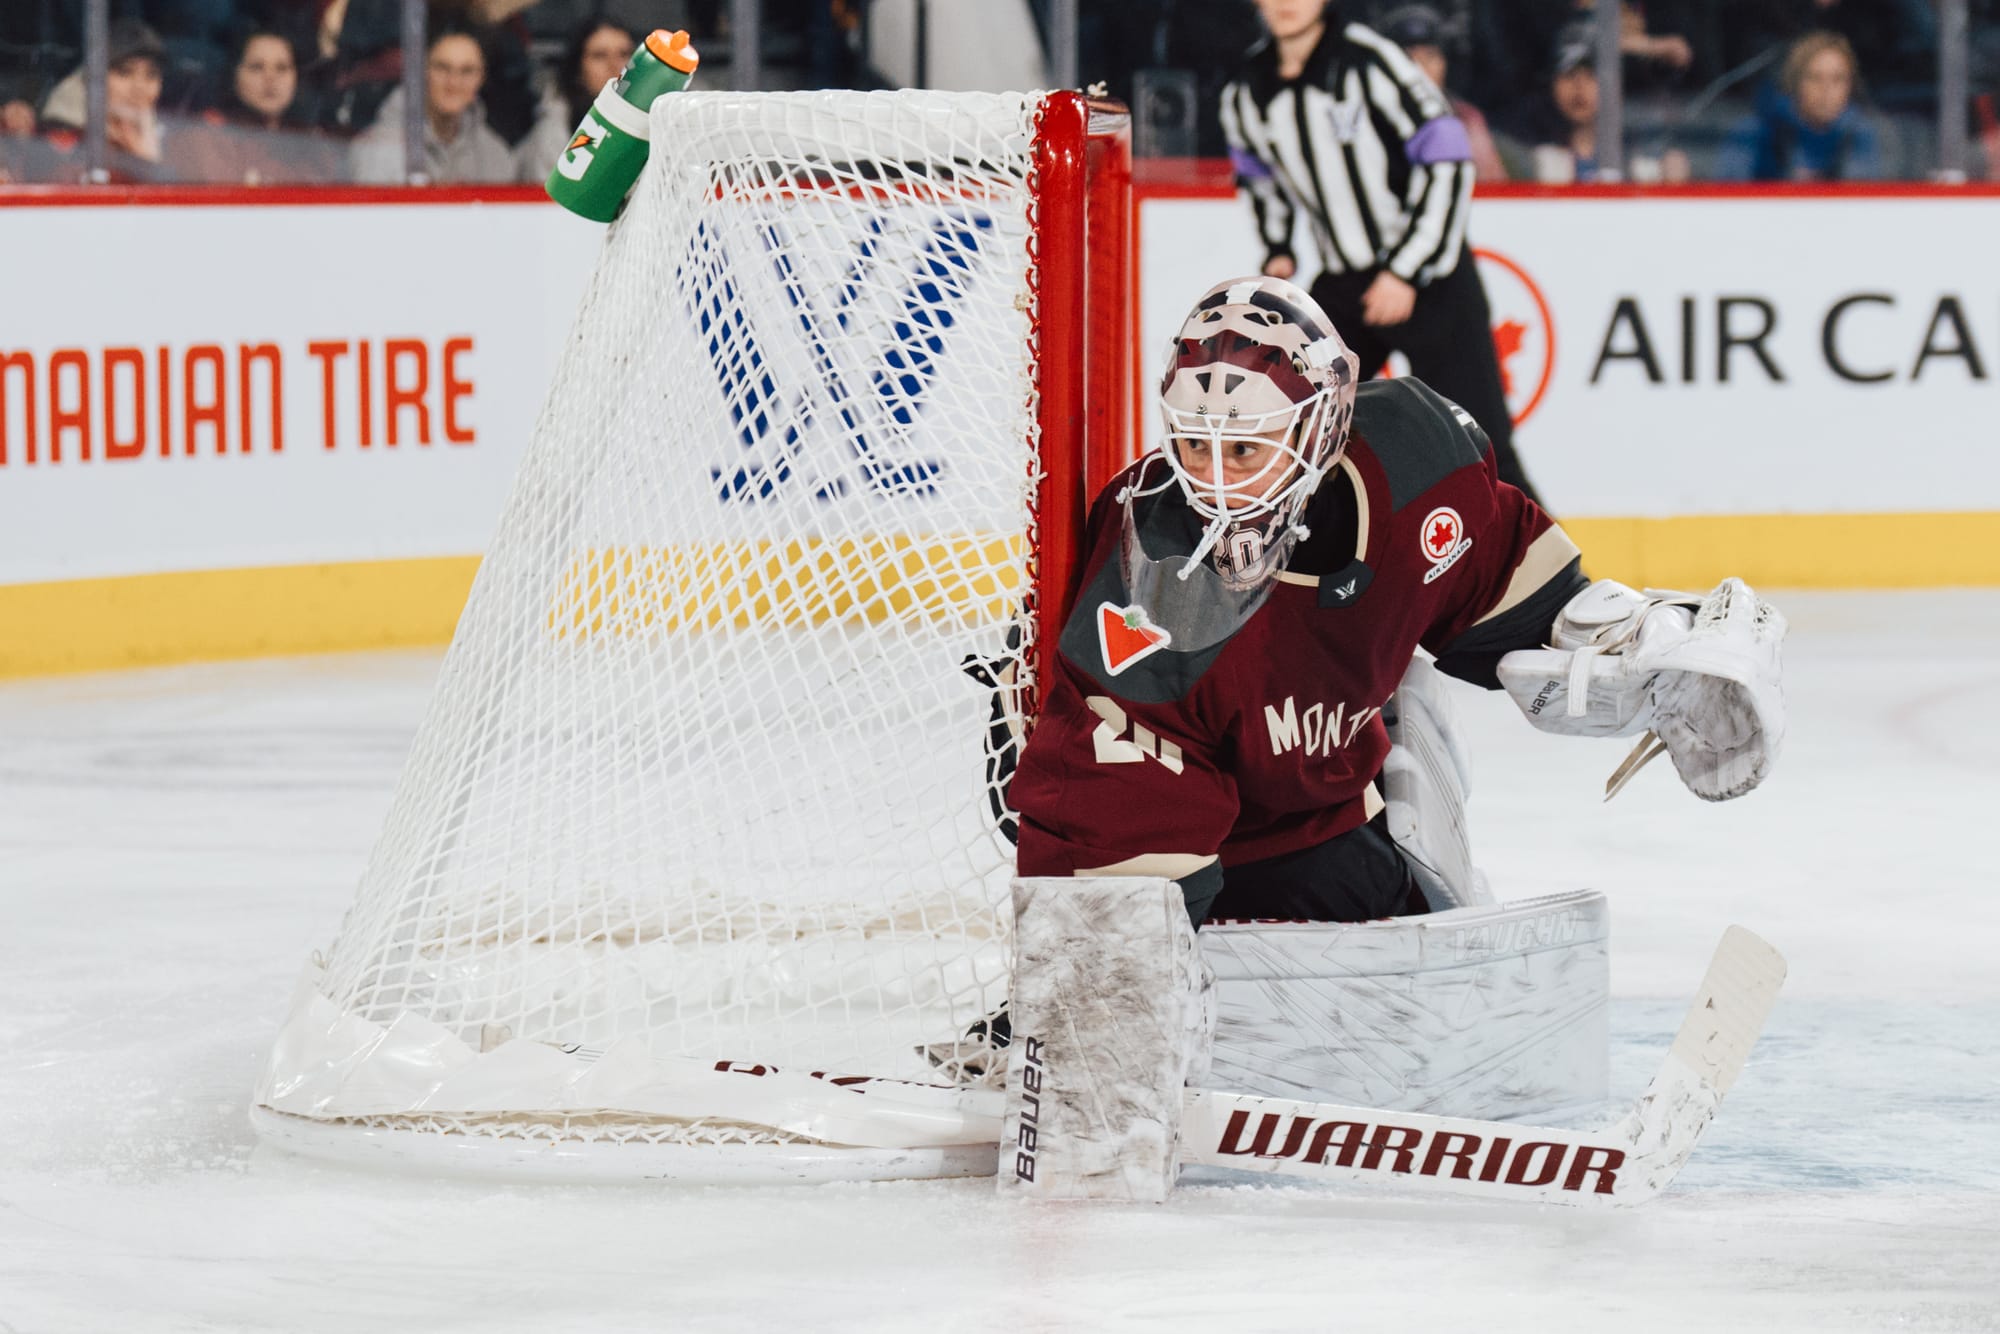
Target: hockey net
x,y
699,845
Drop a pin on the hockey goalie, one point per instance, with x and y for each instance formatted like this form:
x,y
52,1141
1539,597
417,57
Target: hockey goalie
x,y
1245,722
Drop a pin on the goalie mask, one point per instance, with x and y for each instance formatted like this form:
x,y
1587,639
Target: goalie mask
x,y
1258,398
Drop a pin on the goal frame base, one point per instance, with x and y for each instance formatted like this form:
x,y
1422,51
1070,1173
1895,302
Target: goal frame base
x,y
352,1144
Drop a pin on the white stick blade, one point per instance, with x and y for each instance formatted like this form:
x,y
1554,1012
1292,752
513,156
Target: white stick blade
x,y
1729,1010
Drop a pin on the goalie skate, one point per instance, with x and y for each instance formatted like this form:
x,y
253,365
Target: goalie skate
x,y
978,1059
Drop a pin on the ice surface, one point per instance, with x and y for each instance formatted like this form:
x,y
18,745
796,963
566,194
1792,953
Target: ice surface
x,y
174,843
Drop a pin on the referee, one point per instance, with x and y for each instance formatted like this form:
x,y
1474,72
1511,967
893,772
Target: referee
x,y
1333,121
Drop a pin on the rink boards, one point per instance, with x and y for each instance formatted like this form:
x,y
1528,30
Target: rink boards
x,y
1705,383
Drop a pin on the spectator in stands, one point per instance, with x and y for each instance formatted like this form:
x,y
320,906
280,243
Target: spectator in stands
x,y
359,55
1809,128
134,136
1564,128
260,133
1419,30
1653,58
595,55
356,55
23,157
26,160
1986,90
509,92
23,79
1896,39
1657,55
459,146
18,119
41,40
30,61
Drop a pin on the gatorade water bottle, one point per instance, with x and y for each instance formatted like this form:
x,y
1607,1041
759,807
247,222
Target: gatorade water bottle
x,y
608,150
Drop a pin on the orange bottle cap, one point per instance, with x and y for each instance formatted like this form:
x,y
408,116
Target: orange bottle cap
x,y
672,50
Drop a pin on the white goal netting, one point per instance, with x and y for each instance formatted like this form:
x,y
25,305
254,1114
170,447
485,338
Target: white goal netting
x,y
704,782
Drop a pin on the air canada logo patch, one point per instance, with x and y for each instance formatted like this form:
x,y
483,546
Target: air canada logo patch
x,y
1127,635
1444,540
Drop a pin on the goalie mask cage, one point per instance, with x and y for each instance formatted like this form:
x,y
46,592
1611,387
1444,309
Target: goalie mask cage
x,y
698,850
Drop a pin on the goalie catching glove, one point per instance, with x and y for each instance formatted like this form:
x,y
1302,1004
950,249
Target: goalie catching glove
x,y
1699,676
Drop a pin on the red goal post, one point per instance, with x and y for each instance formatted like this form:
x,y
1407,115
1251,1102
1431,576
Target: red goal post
x,y
1084,239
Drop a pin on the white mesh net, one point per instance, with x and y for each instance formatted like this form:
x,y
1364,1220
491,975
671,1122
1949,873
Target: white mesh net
x,y
703,771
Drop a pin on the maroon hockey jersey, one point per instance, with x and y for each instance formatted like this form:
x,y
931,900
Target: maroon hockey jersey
x,y
1153,761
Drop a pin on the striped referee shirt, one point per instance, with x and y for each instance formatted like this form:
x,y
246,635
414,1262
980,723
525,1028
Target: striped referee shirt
x,y
1363,144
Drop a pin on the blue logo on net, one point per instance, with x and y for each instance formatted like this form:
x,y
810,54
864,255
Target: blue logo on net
x,y
877,402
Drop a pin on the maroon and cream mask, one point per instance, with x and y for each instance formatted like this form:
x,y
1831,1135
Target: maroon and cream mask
x,y
1258,397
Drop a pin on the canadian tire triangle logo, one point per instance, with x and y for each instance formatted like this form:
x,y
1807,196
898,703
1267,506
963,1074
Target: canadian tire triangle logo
x,y
1126,635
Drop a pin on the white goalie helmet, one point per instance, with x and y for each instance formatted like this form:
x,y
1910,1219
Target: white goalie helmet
x,y
1257,369
1258,398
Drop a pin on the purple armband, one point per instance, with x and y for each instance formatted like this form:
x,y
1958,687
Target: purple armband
x,y
1252,168
1440,140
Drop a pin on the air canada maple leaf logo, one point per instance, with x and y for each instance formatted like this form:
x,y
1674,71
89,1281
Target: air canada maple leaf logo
x,y
1442,529
1508,336
1126,635
1444,540
1524,332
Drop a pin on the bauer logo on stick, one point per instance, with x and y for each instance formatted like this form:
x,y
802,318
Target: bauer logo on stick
x,y
1027,1134
1127,634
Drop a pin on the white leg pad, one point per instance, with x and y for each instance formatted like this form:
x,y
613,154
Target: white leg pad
x,y
1494,1012
1112,1010
1426,780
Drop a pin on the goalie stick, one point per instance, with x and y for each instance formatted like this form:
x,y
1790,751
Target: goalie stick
x,y
1625,1163
933,1130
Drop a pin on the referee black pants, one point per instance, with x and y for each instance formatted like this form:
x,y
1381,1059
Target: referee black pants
x,y
1449,342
